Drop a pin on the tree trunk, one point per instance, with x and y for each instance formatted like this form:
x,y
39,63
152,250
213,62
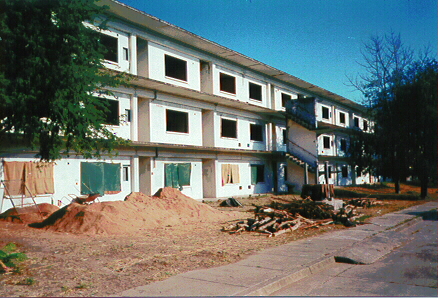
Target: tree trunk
x,y
397,185
424,182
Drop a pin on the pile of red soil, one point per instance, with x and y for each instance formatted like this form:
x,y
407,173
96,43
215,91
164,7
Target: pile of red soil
x,y
138,212
28,214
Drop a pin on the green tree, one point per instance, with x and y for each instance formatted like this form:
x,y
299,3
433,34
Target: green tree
x,y
51,63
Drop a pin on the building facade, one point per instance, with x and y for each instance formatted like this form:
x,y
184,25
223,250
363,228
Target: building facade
x,y
201,118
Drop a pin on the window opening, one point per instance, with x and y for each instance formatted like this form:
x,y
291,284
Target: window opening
x,y
126,54
111,45
100,177
356,121
285,98
175,68
125,173
255,91
111,111
358,171
230,174
177,174
256,132
229,128
342,118
177,121
227,83
257,174
284,136
343,145
128,115
326,141
344,172
365,125
325,113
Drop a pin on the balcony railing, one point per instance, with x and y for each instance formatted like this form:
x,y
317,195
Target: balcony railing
x,y
301,156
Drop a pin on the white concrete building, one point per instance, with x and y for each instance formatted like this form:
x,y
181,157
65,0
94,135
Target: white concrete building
x,y
203,118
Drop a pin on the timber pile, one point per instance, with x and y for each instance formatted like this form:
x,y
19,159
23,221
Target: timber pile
x,y
364,202
279,218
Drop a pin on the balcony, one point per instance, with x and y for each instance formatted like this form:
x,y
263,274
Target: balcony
x,y
302,111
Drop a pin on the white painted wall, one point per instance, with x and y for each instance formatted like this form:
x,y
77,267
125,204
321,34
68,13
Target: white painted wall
x,y
156,66
67,181
326,151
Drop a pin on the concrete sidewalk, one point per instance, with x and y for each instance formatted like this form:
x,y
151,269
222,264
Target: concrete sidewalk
x,y
272,269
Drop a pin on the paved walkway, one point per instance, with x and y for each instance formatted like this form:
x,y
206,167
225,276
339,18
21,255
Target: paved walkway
x,y
272,269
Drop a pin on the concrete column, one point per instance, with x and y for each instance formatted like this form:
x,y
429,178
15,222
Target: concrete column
x,y
135,174
133,54
134,118
326,172
306,173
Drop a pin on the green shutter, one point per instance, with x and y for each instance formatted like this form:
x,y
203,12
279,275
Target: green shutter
x,y
111,176
184,170
171,175
92,178
253,174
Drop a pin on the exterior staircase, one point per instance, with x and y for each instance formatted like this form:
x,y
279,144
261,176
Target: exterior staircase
x,y
301,156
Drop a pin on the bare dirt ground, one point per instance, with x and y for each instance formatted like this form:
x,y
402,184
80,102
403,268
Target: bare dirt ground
x,y
84,265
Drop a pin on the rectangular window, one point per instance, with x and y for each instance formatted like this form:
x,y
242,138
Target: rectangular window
x,y
285,98
177,174
111,45
342,118
344,145
229,128
177,121
325,113
126,54
365,125
330,171
344,172
227,83
125,173
356,122
256,132
257,174
230,174
175,68
128,115
255,91
326,141
100,177
284,136
110,110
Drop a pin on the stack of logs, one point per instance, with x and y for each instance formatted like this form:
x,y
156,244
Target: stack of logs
x,y
279,218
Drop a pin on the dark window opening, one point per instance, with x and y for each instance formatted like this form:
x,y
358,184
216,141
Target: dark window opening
x,y
344,172
125,173
229,128
285,98
111,45
128,115
110,110
257,174
356,122
330,171
365,125
358,171
342,118
344,145
326,141
227,83
126,54
256,132
177,121
175,68
325,113
284,136
255,91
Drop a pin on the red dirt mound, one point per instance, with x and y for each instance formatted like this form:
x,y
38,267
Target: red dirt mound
x,y
138,212
28,214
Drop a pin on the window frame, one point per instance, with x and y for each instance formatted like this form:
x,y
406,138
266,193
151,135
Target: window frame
x,y
229,121
256,132
106,40
177,127
111,111
283,100
255,91
328,140
259,174
344,171
342,118
323,109
225,82
175,68
343,145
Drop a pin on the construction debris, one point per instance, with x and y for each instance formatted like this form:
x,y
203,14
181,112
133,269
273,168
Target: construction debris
x,y
230,202
279,218
365,202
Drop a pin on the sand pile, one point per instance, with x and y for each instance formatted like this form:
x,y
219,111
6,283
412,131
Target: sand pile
x,y
28,214
138,212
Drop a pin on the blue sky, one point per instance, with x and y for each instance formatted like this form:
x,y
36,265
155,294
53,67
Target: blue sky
x,y
318,41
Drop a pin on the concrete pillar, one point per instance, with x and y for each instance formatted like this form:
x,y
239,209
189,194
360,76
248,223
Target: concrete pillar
x,y
326,172
134,118
133,54
306,173
135,174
